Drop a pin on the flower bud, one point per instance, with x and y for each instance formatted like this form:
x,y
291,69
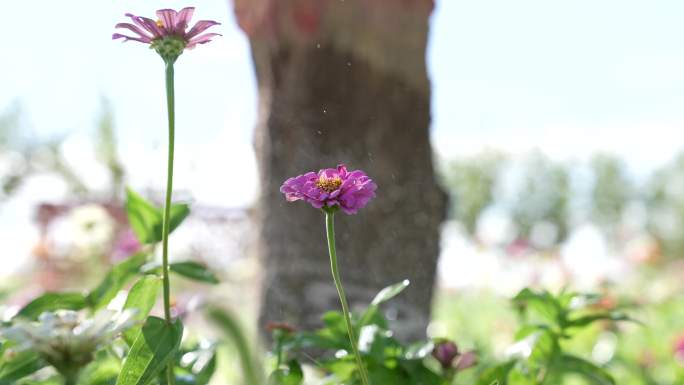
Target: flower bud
x,y
445,352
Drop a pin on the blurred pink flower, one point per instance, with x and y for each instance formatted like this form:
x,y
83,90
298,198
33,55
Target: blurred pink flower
x,y
126,245
466,360
170,24
331,187
679,348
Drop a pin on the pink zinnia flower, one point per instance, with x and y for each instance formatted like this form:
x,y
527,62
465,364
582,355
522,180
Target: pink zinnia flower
x,y
330,187
169,34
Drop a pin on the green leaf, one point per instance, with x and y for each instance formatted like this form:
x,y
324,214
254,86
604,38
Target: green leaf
x,y
179,211
543,304
102,371
115,280
152,350
595,374
497,374
372,314
147,220
143,296
51,302
204,374
23,364
420,374
545,349
195,271
143,217
390,292
588,319
292,375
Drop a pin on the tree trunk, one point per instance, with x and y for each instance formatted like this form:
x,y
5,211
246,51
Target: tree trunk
x,y
345,81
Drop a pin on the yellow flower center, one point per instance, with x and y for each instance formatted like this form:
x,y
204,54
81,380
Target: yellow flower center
x,y
328,184
159,23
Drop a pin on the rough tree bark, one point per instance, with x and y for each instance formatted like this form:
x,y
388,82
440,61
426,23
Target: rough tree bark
x,y
345,81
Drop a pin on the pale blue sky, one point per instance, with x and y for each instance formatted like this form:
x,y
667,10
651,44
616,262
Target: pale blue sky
x,y
571,77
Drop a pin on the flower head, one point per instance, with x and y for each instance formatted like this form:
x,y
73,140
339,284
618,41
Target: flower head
x,y
65,339
169,34
331,188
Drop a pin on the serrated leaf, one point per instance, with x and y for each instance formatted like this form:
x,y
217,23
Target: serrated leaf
x,y
53,301
143,296
115,280
155,346
195,271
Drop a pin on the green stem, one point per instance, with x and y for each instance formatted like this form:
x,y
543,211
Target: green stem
x,y
330,231
71,380
170,103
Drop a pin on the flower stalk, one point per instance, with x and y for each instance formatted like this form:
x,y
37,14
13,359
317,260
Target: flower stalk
x,y
170,104
330,232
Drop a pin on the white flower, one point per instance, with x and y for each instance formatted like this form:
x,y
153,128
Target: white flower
x,y
67,339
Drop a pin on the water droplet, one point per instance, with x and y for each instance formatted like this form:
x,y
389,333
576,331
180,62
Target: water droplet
x,y
319,132
325,111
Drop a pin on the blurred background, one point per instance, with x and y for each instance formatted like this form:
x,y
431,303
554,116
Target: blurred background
x,y
555,130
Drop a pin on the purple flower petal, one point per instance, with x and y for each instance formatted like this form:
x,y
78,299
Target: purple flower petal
x,y
127,38
183,19
168,19
148,24
200,27
201,39
144,35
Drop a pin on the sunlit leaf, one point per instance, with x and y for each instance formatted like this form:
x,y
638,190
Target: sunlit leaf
x,y
142,297
146,219
115,280
595,374
155,346
53,301
390,292
372,315
143,217
19,366
496,375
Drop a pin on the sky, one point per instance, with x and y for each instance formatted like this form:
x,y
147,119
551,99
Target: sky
x,y
568,77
